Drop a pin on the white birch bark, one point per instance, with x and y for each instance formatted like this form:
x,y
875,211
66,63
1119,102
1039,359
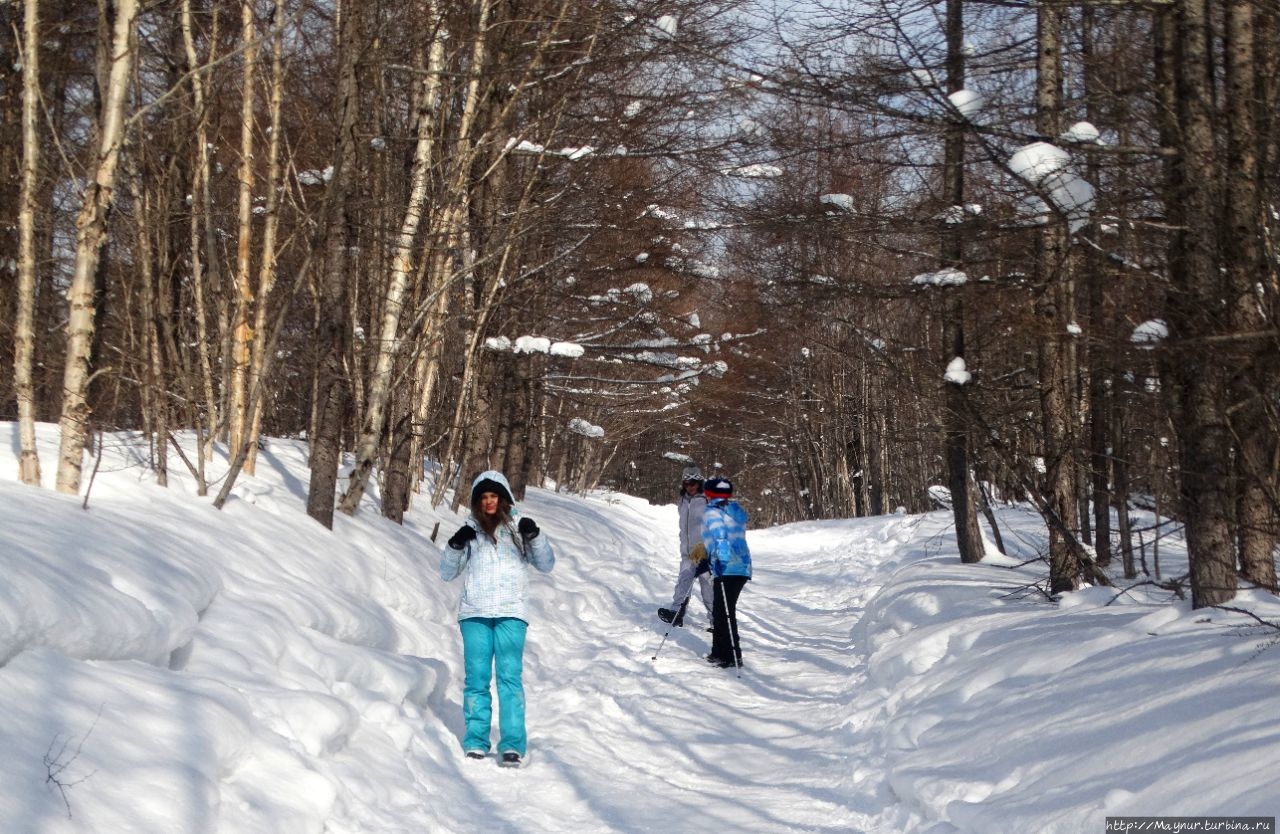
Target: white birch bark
x,y
271,224
201,211
24,329
91,229
243,297
401,269
456,211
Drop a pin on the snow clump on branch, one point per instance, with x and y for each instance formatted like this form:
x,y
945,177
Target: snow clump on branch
x,y
1047,168
1150,333
665,27
967,103
957,372
756,171
843,202
534,344
942,278
579,426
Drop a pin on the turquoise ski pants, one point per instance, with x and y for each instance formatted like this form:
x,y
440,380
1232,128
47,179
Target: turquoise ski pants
x,y
492,645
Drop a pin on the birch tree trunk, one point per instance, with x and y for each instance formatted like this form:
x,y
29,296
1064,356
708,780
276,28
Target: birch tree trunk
x,y
24,326
270,229
202,230
243,297
388,342
426,370
457,197
91,232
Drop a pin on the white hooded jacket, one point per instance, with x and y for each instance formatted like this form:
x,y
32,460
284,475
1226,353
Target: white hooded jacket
x,y
495,574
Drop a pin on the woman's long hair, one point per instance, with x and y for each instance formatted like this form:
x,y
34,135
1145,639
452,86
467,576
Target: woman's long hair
x,y
490,523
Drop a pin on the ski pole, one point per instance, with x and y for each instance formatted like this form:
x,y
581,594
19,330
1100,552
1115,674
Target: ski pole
x,y
671,624
731,622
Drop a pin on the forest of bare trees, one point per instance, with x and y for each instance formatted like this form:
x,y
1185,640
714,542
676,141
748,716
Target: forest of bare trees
x,y
861,257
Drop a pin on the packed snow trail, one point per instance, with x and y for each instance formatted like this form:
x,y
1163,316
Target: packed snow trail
x,y
767,748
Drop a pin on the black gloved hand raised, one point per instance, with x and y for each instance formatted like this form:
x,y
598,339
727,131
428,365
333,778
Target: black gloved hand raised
x,y
459,539
528,529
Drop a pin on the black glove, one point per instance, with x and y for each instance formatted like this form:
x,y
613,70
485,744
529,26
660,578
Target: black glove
x,y
465,534
528,529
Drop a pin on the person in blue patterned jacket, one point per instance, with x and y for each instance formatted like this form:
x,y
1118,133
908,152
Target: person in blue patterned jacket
x,y
724,534
492,551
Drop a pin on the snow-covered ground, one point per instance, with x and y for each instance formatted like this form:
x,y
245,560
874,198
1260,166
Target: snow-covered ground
x,y
166,667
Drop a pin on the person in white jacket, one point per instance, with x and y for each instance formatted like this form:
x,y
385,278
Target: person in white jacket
x,y
690,507
492,551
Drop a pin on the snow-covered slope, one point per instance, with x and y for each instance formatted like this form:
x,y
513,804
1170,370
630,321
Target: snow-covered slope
x,y
167,667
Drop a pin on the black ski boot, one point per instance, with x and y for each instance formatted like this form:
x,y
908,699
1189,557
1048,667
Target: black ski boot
x,y
676,618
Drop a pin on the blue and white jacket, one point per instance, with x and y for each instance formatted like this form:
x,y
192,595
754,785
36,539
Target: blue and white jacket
x,y
495,577
724,532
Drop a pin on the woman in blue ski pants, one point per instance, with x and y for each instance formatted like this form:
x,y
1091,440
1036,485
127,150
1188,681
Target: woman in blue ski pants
x,y
492,552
